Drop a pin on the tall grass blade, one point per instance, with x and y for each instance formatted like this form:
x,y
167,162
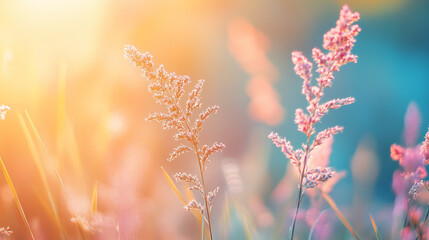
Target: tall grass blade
x,y
57,174
245,218
15,196
94,199
202,229
374,226
176,190
42,173
36,133
190,196
173,186
310,236
61,105
75,154
226,216
65,132
188,193
346,223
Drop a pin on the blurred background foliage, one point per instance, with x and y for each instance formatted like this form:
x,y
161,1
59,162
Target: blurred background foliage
x,y
63,62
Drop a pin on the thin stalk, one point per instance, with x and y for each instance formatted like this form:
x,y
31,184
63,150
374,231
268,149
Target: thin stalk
x,y
337,211
300,194
199,161
304,166
43,175
57,174
15,196
204,191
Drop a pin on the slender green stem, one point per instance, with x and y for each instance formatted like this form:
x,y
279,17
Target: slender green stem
x,y
300,194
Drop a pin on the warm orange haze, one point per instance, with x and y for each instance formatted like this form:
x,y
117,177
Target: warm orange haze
x,y
178,119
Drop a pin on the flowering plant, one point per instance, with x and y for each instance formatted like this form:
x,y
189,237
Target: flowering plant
x,y
168,89
339,42
409,183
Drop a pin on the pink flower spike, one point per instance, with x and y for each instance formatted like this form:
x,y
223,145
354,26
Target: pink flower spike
x,y
303,121
336,103
319,57
325,134
342,36
339,41
286,147
303,69
332,104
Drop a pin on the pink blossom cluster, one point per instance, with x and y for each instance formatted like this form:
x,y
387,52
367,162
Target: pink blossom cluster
x,y
338,41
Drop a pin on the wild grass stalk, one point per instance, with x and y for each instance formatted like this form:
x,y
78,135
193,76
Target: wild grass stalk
x,y
339,42
16,198
43,175
168,89
52,165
